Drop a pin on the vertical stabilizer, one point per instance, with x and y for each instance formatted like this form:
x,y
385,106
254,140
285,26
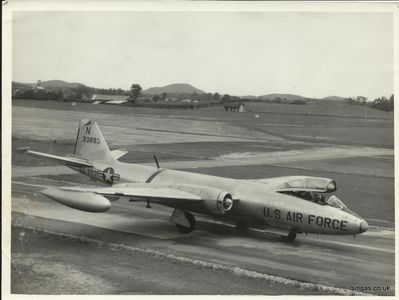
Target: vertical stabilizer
x,y
90,143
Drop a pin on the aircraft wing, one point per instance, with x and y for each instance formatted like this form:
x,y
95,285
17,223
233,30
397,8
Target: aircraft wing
x,y
181,196
67,160
300,183
158,194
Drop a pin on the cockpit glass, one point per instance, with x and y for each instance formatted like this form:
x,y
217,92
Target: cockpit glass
x,y
335,202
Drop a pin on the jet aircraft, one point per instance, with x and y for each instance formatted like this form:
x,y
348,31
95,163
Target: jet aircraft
x,y
293,204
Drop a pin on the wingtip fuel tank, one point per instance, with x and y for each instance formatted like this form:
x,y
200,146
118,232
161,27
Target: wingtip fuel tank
x,y
84,201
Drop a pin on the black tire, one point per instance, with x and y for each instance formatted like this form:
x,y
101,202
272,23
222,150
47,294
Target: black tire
x,y
191,220
242,226
291,236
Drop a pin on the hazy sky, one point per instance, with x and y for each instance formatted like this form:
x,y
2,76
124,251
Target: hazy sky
x,y
311,54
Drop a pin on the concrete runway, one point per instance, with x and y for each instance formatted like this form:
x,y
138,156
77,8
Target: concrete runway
x,y
289,158
324,261
74,265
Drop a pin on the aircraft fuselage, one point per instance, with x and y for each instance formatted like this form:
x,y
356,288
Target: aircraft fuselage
x,y
258,204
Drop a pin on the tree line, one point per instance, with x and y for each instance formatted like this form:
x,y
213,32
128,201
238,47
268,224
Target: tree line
x,y
381,103
82,93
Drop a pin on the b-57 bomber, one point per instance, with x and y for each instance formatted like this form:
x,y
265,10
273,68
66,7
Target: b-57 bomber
x,y
292,204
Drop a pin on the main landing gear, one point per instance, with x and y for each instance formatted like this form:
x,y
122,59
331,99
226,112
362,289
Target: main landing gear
x,y
191,220
184,221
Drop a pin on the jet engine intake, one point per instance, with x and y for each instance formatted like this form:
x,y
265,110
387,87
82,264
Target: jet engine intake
x,y
222,205
224,202
214,201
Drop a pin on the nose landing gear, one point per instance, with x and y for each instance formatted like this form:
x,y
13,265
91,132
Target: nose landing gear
x,y
291,236
242,226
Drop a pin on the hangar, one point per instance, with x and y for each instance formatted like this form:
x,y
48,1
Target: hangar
x,y
234,106
109,99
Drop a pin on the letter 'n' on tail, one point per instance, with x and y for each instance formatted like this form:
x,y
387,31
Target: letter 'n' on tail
x,y
90,143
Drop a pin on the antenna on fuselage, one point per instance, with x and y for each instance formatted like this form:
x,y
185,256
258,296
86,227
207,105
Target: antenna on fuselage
x,y
156,161
148,204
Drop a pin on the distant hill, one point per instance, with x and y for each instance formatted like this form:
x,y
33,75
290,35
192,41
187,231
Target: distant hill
x,y
176,88
333,98
60,84
282,96
290,97
250,97
50,84
20,85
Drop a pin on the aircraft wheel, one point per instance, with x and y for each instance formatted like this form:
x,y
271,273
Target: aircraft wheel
x,y
191,220
241,226
291,236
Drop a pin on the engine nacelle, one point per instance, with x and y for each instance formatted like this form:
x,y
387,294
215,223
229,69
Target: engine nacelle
x,y
85,201
215,201
224,203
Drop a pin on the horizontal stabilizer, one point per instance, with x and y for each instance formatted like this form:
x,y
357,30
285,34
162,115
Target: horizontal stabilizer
x,y
71,160
118,153
22,149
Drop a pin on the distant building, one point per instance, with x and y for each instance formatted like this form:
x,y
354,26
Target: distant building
x,y
109,99
16,93
234,106
143,99
297,101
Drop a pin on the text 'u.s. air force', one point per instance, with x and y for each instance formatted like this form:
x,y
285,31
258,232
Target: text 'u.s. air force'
x,y
300,218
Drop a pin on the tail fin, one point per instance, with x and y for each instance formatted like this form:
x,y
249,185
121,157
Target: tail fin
x,y
90,143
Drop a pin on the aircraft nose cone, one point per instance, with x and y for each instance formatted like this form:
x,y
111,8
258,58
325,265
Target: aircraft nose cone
x,y
363,226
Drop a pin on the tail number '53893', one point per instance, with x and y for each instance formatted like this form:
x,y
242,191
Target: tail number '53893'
x,y
89,139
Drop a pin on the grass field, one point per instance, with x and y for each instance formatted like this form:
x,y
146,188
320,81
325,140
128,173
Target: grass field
x,y
321,108
343,125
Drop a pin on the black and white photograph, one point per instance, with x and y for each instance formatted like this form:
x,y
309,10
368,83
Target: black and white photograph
x,y
198,148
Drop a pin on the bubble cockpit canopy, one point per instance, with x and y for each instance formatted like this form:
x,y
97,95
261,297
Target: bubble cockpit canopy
x,y
312,189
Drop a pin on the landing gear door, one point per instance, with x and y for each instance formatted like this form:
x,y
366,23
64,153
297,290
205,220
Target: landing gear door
x,y
178,217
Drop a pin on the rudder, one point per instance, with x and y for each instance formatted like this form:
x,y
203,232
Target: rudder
x,y
90,143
